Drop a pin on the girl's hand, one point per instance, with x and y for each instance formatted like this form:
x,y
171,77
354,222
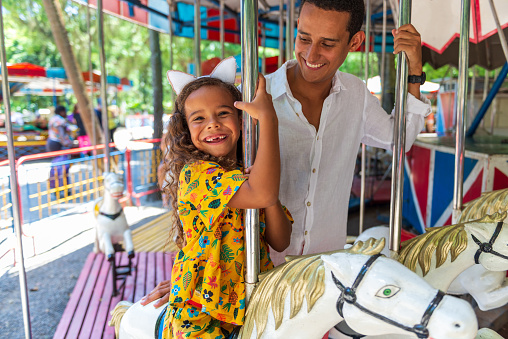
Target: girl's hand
x,y
261,106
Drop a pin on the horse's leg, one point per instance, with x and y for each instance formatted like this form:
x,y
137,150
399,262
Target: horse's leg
x,y
107,246
488,288
129,247
96,245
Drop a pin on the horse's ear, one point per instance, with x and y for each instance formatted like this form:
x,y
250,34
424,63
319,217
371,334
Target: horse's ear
x,y
479,230
336,262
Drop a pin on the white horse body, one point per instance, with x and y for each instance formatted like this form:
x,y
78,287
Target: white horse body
x,y
112,226
409,298
486,282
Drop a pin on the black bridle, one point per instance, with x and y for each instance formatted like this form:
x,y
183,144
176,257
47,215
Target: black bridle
x,y
487,247
348,295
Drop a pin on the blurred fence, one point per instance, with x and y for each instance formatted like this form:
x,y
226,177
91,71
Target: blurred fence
x,y
53,184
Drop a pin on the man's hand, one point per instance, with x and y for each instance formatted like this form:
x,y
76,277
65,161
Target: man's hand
x,y
407,39
161,291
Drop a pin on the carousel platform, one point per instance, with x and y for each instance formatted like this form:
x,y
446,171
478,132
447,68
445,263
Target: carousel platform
x,y
88,311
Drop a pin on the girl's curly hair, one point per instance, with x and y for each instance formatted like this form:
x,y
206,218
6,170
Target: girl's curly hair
x,y
179,150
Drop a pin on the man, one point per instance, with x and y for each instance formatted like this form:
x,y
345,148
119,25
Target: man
x,y
324,115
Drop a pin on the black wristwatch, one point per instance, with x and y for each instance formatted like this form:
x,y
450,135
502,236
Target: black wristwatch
x,y
417,79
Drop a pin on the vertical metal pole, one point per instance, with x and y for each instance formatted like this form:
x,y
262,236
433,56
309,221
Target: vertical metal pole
x,y
249,37
383,54
16,213
502,38
170,33
493,111
281,33
471,97
290,26
460,128
104,95
263,44
92,110
399,136
197,36
366,77
221,10
486,83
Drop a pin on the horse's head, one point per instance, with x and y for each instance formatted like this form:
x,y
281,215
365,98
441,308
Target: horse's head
x,y
380,296
491,237
113,184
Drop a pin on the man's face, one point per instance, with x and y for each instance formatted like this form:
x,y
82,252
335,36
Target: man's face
x,y
322,42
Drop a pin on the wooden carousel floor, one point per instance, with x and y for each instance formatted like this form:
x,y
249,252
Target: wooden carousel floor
x,y
88,311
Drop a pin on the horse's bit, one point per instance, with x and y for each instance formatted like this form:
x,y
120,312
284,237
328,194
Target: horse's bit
x,y
349,295
487,247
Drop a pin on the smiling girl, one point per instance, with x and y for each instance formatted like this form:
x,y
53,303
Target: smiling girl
x,y
202,174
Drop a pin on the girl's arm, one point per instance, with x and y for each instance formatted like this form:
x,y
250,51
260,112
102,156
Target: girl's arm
x,y
262,187
278,227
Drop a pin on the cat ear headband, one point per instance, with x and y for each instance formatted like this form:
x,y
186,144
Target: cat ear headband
x,y
225,71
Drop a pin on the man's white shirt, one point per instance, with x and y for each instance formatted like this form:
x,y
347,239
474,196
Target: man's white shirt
x,y
317,166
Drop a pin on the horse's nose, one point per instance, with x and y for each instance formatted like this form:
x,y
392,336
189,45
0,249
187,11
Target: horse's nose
x,y
462,319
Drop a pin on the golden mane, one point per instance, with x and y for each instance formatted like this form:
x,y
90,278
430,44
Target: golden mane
x,y
441,241
304,276
488,203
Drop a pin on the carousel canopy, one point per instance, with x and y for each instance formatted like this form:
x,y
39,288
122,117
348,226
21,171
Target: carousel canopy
x,y
437,22
30,79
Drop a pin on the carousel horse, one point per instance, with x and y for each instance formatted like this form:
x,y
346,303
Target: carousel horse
x,y
482,273
111,223
306,296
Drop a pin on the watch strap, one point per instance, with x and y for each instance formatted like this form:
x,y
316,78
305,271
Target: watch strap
x,y
417,79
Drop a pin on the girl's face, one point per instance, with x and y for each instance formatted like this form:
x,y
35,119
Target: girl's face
x,y
213,121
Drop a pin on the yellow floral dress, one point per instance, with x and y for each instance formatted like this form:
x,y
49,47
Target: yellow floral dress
x,y
208,292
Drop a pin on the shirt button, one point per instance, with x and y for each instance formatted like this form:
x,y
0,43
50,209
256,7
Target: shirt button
x,y
317,137
306,232
308,203
298,115
313,170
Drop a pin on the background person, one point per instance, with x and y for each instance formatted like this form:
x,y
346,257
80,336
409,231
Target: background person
x,y
59,133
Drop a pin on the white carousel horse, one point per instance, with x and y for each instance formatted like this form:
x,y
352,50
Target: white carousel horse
x,y
111,224
486,282
306,296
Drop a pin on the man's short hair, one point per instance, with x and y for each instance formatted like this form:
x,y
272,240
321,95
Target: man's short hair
x,y
355,8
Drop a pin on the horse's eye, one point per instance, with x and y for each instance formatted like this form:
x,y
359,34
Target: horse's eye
x,y
388,291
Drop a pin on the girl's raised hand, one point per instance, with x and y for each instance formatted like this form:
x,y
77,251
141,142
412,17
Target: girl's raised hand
x,y
261,106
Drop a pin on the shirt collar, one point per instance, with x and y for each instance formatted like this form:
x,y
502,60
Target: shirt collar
x,y
280,86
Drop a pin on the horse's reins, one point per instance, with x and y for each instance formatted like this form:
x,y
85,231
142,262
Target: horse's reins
x,y
487,247
349,296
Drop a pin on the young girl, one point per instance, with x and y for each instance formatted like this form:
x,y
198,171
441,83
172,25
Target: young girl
x,y
202,175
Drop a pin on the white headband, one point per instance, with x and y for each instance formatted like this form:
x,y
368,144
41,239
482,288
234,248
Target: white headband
x,y
225,71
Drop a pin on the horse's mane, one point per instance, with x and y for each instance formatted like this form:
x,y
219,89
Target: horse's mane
x,y
441,241
304,276
488,203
